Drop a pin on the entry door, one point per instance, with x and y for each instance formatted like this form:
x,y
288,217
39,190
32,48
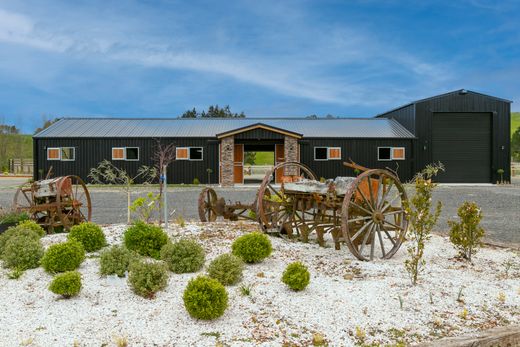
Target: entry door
x,y
238,164
279,157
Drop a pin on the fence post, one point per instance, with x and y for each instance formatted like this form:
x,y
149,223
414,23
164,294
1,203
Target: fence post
x,y
165,196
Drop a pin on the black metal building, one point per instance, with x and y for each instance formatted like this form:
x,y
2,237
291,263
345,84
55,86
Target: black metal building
x,y
468,132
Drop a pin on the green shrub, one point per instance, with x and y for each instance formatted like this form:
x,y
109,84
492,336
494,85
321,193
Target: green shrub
x,y
90,235
115,261
252,248
205,298
145,239
147,278
226,268
466,235
65,256
22,252
67,284
16,231
13,217
296,276
32,225
196,181
183,256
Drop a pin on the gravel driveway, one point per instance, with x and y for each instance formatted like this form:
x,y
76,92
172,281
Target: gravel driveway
x,y
500,204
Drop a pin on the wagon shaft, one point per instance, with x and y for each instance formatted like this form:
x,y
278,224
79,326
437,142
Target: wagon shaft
x,y
211,207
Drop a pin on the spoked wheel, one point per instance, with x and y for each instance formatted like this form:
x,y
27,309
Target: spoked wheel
x,y
373,220
208,205
278,211
73,201
23,198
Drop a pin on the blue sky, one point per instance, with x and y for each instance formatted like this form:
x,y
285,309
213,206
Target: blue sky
x,y
266,58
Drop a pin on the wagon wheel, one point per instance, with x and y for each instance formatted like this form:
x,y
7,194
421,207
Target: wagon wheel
x,y
373,218
275,209
23,198
207,205
73,201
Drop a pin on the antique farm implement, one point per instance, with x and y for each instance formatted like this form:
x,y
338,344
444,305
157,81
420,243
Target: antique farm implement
x,y
366,212
211,207
59,202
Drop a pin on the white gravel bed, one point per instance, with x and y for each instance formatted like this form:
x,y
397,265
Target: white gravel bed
x,y
348,302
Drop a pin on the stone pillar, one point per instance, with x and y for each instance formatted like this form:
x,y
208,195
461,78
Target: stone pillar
x,y
227,147
291,152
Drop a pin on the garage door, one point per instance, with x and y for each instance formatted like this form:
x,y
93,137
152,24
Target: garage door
x,y
462,142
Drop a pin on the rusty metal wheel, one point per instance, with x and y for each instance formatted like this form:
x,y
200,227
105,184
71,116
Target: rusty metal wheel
x,y
274,208
73,201
373,216
208,205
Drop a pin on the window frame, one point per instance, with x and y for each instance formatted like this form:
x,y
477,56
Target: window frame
x,y
54,148
138,154
73,154
124,153
327,153
125,158
201,154
391,153
187,152
404,153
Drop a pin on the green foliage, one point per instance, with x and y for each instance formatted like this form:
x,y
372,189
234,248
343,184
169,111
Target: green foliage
x,y
515,145
15,274
515,121
421,219
196,181
13,145
65,256
252,248
115,261
90,235
251,214
205,298
296,276
32,225
466,235
16,231
250,158
183,256
67,284
22,252
226,268
144,208
213,112
147,278
145,239
13,217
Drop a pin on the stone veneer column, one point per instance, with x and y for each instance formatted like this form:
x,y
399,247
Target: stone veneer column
x,y
227,147
291,154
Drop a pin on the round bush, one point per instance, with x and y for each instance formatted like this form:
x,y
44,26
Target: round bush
x,y
183,256
90,235
115,260
226,268
22,252
67,284
296,276
65,256
205,298
252,248
16,231
32,225
145,239
147,278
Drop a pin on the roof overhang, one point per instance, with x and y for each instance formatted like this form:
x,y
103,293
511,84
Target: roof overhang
x,y
260,126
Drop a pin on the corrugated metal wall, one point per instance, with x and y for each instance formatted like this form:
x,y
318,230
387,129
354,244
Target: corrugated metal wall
x,y
259,134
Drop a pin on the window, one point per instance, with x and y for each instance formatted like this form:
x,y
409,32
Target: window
x,y
189,153
68,153
390,153
327,153
53,154
125,153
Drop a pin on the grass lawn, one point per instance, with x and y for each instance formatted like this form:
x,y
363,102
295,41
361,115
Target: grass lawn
x,y
264,158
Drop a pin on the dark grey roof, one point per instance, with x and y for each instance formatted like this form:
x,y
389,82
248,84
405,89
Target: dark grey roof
x,y
462,91
178,127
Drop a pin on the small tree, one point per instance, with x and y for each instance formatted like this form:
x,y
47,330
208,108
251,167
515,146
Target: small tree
x,y
164,155
466,234
108,173
421,219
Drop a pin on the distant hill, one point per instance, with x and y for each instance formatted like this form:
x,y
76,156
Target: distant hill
x,y
515,121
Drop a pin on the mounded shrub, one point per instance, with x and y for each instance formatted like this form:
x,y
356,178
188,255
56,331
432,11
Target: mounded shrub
x,y
90,235
115,261
65,256
252,248
67,284
16,231
32,225
296,276
205,298
226,268
146,278
183,256
22,252
145,239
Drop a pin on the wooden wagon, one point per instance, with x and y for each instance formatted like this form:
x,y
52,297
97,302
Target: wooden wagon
x,y
367,212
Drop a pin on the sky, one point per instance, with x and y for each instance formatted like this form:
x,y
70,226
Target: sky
x,y
158,58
